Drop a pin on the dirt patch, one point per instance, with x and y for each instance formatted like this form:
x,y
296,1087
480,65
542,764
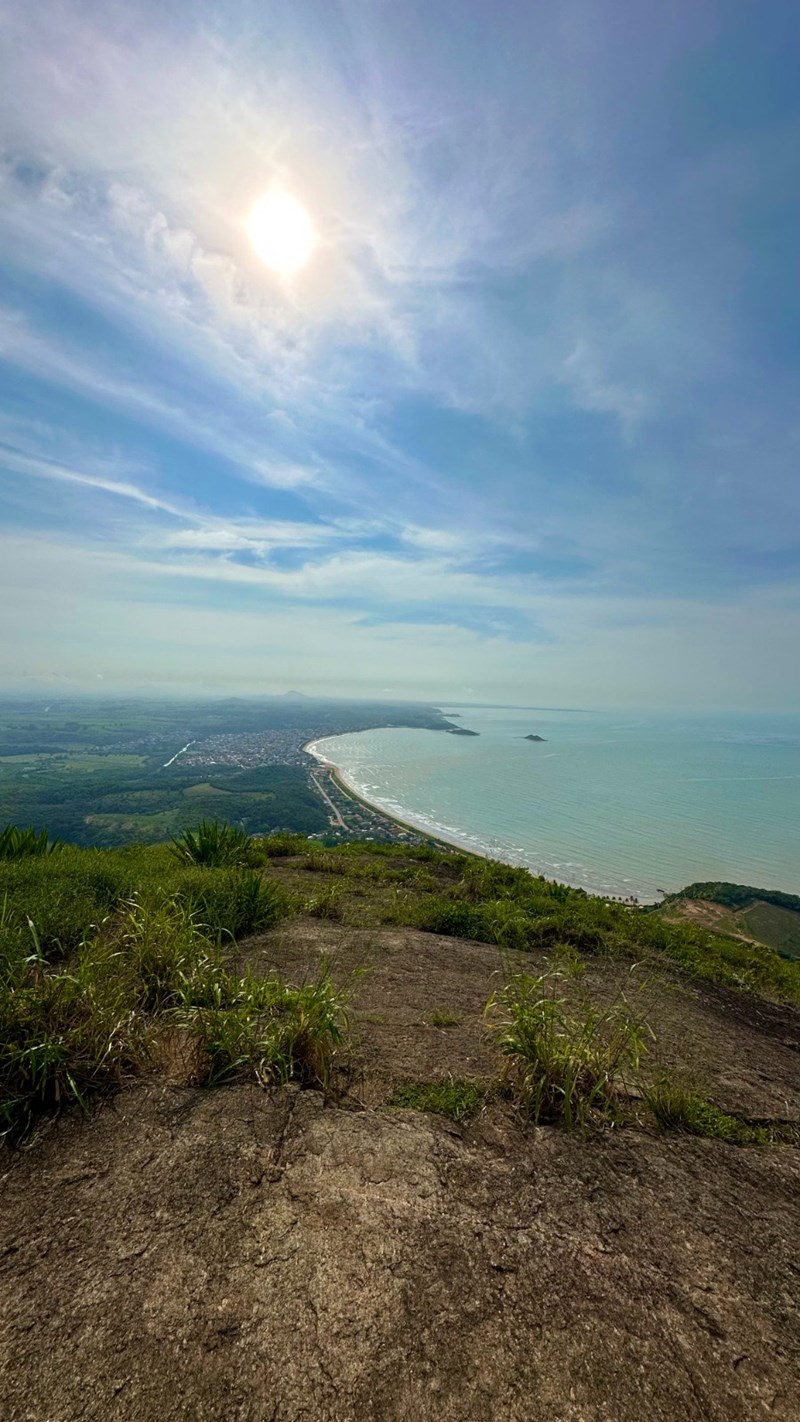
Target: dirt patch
x,y
233,1255
706,914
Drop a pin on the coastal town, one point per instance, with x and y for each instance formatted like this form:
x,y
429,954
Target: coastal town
x,y
350,818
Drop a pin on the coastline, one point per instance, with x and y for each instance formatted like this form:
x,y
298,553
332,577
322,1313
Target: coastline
x,y
451,841
416,828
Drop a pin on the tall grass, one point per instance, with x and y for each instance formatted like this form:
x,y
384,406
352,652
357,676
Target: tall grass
x,y
566,1058
69,897
267,1029
72,1035
102,951
233,902
67,1036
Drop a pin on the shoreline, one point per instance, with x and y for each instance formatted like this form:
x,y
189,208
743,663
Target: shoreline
x,y
451,841
351,790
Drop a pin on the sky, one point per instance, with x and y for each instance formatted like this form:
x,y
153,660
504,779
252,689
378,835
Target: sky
x,y
525,427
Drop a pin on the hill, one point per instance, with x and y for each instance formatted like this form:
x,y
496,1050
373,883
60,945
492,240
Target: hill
x,y
741,911
417,1136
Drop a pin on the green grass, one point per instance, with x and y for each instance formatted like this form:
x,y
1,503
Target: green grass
x,y
443,1019
282,845
328,904
495,903
775,926
67,1037
71,894
101,951
459,1100
269,1030
154,966
567,1059
680,1106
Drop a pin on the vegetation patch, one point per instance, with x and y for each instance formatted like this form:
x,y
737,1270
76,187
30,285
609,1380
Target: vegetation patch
x,y
327,904
567,1059
103,951
26,843
267,1029
443,1019
459,1100
282,844
215,843
497,903
678,1105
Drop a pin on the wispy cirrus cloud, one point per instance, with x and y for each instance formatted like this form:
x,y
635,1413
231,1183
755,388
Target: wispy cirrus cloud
x,y
543,357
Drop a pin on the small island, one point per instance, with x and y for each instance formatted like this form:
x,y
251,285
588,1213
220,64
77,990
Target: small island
x,y
461,731
533,738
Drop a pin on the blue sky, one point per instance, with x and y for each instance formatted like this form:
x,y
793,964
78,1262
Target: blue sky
x,y
526,427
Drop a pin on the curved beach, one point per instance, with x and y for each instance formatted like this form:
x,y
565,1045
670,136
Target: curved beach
x,y
625,808
419,826
443,834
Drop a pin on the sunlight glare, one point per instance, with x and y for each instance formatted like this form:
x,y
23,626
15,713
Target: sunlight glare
x,y
281,231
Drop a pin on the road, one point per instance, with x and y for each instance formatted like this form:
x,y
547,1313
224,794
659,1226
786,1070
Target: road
x,y
329,802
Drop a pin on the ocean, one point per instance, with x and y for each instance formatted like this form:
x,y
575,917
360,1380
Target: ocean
x,y
616,804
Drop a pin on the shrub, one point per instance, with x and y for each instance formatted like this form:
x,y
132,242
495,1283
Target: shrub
x,y
213,843
565,1057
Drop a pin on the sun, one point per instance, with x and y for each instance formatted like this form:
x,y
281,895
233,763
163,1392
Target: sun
x,y
281,231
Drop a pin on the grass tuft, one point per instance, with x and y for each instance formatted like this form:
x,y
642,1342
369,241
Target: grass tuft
x,y
566,1058
272,1031
678,1105
443,1019
68,1036
459,1100
327,904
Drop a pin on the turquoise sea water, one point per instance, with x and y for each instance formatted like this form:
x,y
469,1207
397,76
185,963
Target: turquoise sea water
x,y
614,803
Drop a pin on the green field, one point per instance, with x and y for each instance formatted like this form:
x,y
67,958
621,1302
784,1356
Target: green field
x,y
771,924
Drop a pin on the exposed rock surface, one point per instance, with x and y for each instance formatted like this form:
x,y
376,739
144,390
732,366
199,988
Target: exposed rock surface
x,y
236,1256
227,1255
